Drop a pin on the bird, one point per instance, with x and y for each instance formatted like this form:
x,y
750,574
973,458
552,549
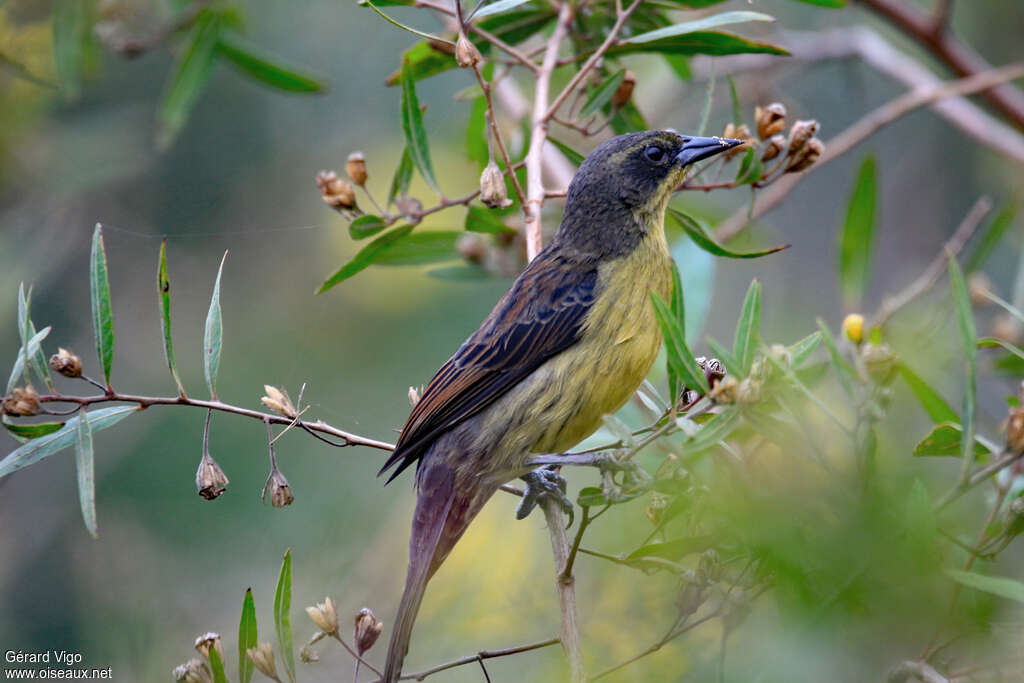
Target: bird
x,y
571,341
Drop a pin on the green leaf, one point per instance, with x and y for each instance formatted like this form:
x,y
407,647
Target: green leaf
x,y
425,60
936,407
213,335
702,24
995,342
705,241
857,238
45,446
678,307
714,43
403,176
282,620
367,255
748,328
724,355
498,7
71,34
482,220
591,496
188,77
712,432
572,155
802,350
247,637
422,246
997,585
683,364
699,267
27,331
102,312
476,132
19,361
844,371
946,439
709,100
737,109
366,226
163,294
1010,365
750,169
217,666
992,235
33,431
264,69
628,119
601,95
674,549
969,340
84,464
412,127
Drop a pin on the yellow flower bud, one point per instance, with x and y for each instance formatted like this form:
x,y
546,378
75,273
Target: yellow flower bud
x,y
853,327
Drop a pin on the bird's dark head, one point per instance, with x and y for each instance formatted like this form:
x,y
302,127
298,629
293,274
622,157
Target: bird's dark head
x,y
623,186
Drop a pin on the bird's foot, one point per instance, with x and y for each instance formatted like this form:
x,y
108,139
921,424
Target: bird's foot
x,y
541,483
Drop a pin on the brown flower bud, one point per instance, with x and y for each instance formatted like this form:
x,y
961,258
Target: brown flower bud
x,y
737,133
771,120
263,657
367,630
492,187
208,640
355,167
1015,430
335,192
799,134
278,401
66,363
979,285
324,616
725,391
280,490
774,148
210,478
466,54
880,362
22,402
193,671
625,90
813,149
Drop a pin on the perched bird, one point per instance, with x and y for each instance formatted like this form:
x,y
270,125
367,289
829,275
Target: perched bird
x,y
571,341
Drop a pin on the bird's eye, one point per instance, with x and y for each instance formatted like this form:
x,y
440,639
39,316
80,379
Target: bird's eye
x,y
654,154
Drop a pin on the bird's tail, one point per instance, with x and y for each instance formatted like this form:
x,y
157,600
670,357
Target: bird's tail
x,y
443,511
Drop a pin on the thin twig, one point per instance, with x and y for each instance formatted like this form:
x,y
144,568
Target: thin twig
x,y
478,657
352,652
565,584
493,121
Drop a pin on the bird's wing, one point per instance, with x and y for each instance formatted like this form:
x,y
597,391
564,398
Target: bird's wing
x,y
540,316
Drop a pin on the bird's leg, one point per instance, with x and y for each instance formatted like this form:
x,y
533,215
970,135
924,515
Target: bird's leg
x,y
544,482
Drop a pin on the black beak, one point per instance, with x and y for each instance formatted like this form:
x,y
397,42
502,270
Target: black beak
x,y
695,149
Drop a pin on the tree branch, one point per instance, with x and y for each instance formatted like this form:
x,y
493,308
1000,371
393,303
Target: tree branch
x,y
478,657
565,584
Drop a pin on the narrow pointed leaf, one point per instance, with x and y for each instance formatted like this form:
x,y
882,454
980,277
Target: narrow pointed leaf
x,y
27,331
422,246
737,108
163,294
856,240
673,549
412,127
684,365
748,328
995,342
247,637
476,132
724,355
678,306
712,432
498,7
991,237
802,350
947,439
482,220
750,169
366,226
714,43
282,618
213,335
33,431
366,256
969,341
403,176
102,312
602,95
268,70
705,241
217,666
71,32
84,464
703,24
997,585
936,407
45,446
19,362
844,371
568,152
188,77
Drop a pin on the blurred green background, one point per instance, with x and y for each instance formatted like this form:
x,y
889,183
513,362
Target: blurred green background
x,y
169,565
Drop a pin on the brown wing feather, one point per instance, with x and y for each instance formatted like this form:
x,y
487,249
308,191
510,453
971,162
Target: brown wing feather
x,y
540,316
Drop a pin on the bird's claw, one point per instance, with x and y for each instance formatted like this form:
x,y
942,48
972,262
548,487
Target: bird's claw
x,y
544,482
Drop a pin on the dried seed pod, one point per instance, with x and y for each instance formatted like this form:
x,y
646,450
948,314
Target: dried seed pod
x,y
263,657
725,391
853,327
210,478
193,671
813,149
770,120
492,187
367,630
21,402
625,90
308,655
278,401
66,363
774,148
324,616
208,640
799,134
335,192
466,54
355,167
